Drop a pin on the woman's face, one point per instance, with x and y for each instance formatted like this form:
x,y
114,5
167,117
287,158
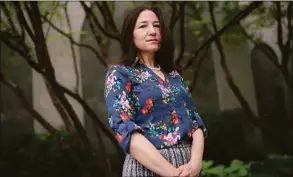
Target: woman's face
x,y
146,33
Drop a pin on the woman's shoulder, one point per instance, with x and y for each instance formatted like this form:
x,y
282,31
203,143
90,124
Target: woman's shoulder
x,y
119,69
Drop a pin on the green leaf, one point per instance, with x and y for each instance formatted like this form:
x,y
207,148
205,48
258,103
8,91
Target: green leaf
x,y
218,170
207,164
243,172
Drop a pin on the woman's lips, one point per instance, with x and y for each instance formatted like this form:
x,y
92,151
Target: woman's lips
x,y
153,41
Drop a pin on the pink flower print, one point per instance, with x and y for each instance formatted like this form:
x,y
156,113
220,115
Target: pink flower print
x,y
174,73
164,90
119,138
124,101
145,75
110,80
172,138
124,116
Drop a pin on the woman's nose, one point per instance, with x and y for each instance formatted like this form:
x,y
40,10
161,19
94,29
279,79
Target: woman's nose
x,y
152,30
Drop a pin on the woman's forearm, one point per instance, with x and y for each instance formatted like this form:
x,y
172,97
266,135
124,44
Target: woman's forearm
x,y
145,153
197,146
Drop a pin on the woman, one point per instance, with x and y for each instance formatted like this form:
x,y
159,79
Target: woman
x,y
150,109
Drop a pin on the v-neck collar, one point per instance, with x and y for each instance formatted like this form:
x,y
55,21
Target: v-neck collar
x,y
155,75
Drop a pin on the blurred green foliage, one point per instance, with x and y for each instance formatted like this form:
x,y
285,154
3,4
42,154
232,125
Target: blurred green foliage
x,y
273,166
41,155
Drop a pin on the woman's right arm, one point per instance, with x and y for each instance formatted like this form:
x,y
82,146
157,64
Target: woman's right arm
x,y
121,111
145,152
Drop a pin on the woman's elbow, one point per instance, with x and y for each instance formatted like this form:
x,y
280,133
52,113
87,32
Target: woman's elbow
x,y
134,141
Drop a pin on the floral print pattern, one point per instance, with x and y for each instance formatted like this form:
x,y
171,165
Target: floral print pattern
x,y
142,76
161,110
112,83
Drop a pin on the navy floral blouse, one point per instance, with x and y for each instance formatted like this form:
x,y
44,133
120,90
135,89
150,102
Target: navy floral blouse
x,y
137,99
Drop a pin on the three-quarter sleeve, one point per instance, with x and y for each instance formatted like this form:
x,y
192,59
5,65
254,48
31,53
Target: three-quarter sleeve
x,y
198,123
120,105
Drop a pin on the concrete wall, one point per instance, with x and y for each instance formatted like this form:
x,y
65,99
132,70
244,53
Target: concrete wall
x,y
238,62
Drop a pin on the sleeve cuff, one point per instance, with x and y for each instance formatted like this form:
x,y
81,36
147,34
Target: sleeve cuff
x,y
124,136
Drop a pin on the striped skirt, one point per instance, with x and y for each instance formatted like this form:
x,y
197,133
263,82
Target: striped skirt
x,y
177,155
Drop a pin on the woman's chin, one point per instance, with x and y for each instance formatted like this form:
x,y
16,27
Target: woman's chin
x,y
153,49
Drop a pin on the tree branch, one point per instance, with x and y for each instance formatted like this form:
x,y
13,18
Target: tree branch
x,y
272,57
44,60
104,63
201,58
174,16
53,131
251,116
238,17
27,105
78,98
40,42
245,33
288,47
110,16
95,33
96,21
182,34
4,36
101,9
49,75
8,16
39,69
72,47
23,21
91,114
52,15
279,27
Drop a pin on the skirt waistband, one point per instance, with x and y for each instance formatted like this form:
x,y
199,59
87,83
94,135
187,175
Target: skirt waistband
x,y
181,144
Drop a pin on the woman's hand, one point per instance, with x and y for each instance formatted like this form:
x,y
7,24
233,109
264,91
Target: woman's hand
x,y
190,169
176,172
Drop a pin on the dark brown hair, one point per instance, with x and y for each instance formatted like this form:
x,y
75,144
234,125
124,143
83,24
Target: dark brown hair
x,y
164,56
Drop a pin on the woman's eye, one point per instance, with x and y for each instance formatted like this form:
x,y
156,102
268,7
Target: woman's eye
x,y
142,26
157,25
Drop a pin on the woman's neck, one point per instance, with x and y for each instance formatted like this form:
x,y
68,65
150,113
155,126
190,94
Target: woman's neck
x,y
148,59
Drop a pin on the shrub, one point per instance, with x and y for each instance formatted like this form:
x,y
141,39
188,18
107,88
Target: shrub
x,y
42,156
272,166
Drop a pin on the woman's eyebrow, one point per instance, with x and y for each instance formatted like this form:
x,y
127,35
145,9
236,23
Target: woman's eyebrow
x,y
147,21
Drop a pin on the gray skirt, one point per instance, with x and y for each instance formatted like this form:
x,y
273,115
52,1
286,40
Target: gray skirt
x,y
177,155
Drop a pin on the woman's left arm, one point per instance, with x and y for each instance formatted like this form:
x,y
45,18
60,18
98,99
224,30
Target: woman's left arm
x,y
193,167
197,148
